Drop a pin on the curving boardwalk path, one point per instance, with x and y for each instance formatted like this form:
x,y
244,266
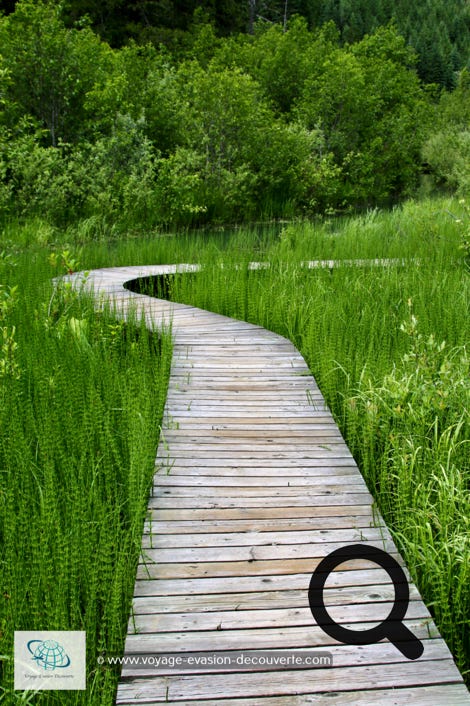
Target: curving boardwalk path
x,y
253,486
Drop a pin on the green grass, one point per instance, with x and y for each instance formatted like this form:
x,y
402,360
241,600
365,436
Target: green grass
x,y
81,401
82,397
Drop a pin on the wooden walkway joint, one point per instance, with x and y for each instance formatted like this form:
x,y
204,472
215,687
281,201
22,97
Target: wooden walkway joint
x,y
253,486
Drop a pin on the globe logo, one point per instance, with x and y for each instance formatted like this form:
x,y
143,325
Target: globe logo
x,y
48,654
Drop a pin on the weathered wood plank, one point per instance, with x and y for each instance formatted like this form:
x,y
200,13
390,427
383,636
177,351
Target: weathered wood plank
x,y
278,476
309,447
251,552
258,600
260,513
159,527
450,694
280,502
258,491
259,567
238,539
313,452
252,421
284,465
293,637
370,612
302,681
263,388
220,435
370,578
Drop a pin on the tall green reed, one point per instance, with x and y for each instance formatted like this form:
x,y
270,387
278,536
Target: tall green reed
x,y
79,429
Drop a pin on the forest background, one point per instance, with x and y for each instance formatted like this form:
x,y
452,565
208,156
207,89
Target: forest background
x,y
159,114
127,119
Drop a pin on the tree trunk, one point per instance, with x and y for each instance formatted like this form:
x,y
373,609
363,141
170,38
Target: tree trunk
x,y
252,16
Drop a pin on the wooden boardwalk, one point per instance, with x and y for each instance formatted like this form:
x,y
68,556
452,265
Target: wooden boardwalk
x,y
253,486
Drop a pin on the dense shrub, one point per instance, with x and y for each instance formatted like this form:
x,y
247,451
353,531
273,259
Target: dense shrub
x,y
285,121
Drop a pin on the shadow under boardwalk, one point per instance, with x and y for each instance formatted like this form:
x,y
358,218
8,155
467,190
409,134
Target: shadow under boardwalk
x,y
253,486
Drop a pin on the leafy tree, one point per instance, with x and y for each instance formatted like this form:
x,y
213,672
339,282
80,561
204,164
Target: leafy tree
x,y
372,111
5,82
225,117
280,61
142,83
447,150
237,157
111,179
51,67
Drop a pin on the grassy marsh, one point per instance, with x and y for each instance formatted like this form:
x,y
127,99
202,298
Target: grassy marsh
x,y
82,394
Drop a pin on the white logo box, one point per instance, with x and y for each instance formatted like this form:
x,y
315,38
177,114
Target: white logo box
x,y
50,660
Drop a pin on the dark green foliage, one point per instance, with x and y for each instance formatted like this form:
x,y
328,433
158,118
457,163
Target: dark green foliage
x,y
117,21
285,120
447,150
439,30
50,67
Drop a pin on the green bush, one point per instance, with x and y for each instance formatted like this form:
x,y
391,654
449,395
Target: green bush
x,y
112,178
448,155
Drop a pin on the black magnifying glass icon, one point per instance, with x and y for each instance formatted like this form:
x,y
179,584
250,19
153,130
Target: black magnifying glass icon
x,y
392,627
